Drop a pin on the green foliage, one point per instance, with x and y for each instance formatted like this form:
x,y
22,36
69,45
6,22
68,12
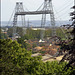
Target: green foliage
x,y
48,33
18,61
33,34
19,30
43,44
23,43
10,32
59,33
34,45
42,52
48,68
13,58
3,35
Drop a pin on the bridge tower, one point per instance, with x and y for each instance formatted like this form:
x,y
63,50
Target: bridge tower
x,y
18,8
48,7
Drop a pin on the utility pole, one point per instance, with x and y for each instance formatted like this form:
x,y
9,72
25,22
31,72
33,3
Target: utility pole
x,y
28,23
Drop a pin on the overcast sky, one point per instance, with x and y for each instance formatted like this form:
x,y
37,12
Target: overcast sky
x,y
62,8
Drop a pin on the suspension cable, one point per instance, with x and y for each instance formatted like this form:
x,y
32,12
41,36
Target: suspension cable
x,y
10,17
40,7
64,8
64,5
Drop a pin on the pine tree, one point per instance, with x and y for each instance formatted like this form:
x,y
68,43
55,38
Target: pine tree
x,y
70,55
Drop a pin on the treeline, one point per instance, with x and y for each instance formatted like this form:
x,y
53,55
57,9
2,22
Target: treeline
x,y
16,60
35,34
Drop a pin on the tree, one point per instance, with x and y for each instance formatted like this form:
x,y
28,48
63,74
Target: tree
x,y
23,43
3,35
19,31
18,61
34,45
13,58
70,55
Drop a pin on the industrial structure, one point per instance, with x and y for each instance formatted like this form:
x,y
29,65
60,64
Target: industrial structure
x,y
18,8
47,9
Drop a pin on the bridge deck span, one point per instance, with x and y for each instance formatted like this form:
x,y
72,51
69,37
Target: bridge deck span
x,y
34,12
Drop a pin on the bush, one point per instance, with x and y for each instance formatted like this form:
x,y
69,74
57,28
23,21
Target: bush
x,y
18,61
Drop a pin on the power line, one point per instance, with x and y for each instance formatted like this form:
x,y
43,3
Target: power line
x,y
64,4
64,8
64,14
40,7
26,8
66,1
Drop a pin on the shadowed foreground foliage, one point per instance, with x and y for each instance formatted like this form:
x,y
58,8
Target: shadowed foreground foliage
x,y
16,60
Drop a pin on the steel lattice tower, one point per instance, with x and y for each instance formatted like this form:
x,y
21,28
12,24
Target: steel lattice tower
x,y
18,8
48,7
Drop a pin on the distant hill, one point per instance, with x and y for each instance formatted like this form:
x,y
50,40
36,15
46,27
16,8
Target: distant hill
x,y
35,23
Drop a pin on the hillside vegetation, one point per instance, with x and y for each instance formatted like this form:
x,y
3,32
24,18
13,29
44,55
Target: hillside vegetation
x,y
16,60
